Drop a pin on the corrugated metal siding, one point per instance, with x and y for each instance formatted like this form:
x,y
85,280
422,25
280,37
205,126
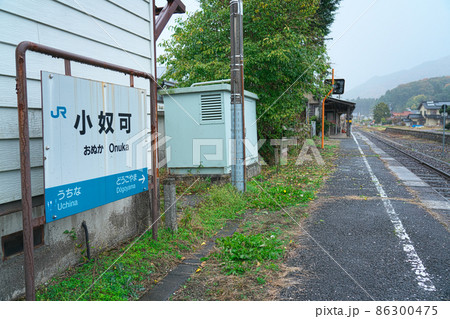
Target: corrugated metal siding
x,y
116,31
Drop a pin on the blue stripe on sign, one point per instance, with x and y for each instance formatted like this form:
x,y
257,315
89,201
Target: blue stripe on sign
x,y
66,200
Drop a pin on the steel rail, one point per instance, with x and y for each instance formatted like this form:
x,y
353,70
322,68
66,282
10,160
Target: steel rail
x,y
438,170
422,154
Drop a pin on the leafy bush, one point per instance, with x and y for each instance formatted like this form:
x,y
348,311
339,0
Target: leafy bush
x,y
239,252
318,121
274,196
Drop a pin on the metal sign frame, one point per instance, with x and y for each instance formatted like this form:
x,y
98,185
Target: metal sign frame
x,y
88,165
24,137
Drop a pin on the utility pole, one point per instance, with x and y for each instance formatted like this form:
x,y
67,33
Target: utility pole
x,y
323,106
444,114
237,96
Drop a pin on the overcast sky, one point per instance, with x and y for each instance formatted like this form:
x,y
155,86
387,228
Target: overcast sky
x,y
191,6
379,37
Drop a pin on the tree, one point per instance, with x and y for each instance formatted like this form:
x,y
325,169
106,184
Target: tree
x,y
325,14
381,112
414,101
409,94
284,54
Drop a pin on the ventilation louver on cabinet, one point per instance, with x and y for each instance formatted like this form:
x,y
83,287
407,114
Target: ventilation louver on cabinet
x,y
211,107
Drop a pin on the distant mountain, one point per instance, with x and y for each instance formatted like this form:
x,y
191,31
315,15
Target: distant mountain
x,y
378,85
408,95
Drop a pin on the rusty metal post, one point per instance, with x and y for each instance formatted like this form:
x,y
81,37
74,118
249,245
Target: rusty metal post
x,y
154,136
172,6
22,107
67,68
154,147
25,170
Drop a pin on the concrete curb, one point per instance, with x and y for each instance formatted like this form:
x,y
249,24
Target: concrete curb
x,y
181,273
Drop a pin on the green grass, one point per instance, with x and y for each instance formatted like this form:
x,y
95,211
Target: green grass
x,y
267,195
126,278
241,252
262,240
293,185
125,272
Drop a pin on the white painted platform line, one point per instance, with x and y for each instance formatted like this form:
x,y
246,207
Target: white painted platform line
x,y
422,277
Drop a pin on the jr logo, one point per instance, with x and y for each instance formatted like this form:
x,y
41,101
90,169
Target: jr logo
x,y
59,110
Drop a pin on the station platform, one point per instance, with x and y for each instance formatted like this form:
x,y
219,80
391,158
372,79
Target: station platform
x,y
370,235
339,136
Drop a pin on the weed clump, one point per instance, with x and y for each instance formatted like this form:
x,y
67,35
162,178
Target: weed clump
x,y
240,252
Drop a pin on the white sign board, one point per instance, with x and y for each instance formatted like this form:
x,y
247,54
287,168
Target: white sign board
x,y
96,139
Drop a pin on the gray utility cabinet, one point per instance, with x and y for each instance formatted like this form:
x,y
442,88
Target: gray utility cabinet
x,y
198,129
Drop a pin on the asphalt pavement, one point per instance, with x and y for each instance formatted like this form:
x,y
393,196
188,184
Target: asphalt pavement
x,y
370,237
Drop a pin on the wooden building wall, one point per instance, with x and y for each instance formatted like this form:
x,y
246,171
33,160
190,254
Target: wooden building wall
x,y
116,31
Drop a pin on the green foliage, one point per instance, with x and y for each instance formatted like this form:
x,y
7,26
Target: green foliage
x,y
269,195
413,93
284,54
260,280
125,272
409,95
381,112
325,14
221,204
240,252
78,246
414,102
318,120
71,233
288,185
123,277
201,186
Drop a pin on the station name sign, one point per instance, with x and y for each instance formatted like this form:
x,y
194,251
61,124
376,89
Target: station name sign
x,y
95,143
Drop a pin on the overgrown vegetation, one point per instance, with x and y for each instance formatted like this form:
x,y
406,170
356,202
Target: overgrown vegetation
x,y
124,272
240,252
249,265
318,121
284,55
251,257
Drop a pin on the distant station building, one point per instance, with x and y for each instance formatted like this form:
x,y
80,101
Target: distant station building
x,y
338,112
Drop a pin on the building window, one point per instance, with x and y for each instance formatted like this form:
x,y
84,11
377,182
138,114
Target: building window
x,y
13,244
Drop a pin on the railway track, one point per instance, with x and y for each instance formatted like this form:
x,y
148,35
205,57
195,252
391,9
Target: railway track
x,y
434,172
